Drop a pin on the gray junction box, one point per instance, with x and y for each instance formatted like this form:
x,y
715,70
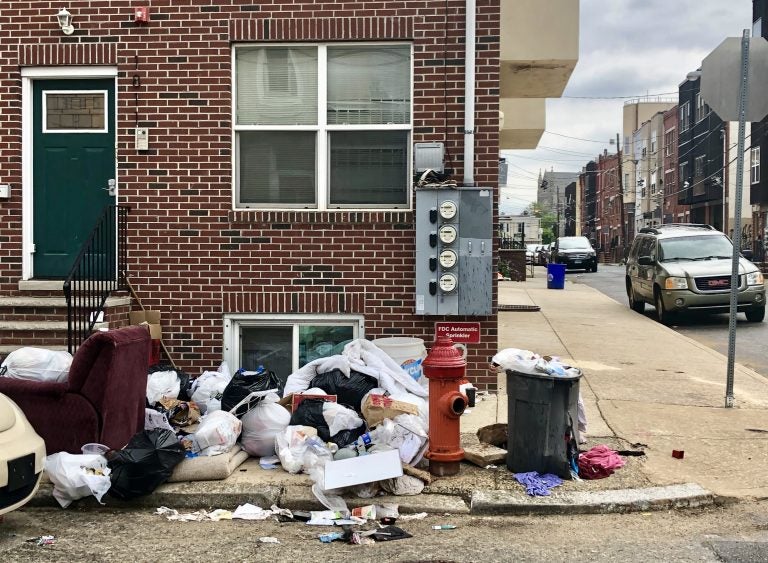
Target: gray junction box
x,y
454,251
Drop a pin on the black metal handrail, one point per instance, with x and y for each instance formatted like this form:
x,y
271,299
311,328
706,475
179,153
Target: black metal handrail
x,y
99,269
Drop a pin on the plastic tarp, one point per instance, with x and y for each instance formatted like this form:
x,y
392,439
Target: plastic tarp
x,y
361,356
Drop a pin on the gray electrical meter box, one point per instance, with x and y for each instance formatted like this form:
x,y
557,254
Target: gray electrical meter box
x,y
454,251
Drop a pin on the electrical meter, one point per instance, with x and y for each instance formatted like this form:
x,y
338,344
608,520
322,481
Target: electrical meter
x,y
447,258
448,283
447,234
448,209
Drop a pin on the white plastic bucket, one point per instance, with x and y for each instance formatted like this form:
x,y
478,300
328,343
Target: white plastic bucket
x,y
407,352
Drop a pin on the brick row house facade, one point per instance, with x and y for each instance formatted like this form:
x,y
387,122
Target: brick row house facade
x,y
265,153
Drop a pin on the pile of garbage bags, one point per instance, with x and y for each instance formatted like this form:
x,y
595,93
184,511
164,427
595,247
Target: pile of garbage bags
x,y
354,404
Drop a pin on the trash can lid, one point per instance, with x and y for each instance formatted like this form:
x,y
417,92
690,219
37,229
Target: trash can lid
x,y
574,375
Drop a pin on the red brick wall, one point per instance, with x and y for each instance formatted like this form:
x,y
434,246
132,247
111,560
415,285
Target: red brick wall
x,y
192,256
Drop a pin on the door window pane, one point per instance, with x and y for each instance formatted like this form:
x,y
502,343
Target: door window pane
x,y
269,346
277,167
73,111
369,167
322,341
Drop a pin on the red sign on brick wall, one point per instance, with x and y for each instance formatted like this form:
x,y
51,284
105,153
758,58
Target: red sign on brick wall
x,y
459,332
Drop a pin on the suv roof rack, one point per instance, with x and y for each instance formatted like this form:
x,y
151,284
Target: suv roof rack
x,y
661,228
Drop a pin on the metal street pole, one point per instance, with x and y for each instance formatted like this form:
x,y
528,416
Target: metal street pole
x,y
743,98
621,199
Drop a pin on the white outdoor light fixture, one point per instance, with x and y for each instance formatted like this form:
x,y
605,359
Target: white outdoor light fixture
x,y
65,21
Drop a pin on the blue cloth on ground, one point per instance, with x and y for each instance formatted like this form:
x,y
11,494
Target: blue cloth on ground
x,y
538,485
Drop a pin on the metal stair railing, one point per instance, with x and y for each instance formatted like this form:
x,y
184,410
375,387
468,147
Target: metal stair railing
x,y
99,269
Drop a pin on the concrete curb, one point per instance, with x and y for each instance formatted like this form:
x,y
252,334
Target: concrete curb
x,y
687,495
217,494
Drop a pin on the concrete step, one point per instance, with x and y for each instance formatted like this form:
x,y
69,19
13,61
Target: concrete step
x,y
41,326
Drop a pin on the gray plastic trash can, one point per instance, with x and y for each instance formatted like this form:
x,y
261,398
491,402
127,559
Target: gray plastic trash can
x,y
542,422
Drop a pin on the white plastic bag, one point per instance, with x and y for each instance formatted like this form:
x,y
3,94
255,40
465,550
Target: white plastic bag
x,y
407,433
291,446
162,385
37,364
262,424
208,389
77,476
338,418
218,432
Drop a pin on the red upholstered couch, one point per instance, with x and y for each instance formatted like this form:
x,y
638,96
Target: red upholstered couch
x,y
102,400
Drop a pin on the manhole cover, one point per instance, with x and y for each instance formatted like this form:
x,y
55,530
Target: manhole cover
x,y
530,308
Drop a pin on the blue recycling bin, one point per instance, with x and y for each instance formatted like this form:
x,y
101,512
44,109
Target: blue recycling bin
x,y
555,276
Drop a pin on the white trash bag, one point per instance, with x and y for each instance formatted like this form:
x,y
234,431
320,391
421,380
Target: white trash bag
x,y
77,476
37,364
209,387
162,385
218,432
338,418
262,424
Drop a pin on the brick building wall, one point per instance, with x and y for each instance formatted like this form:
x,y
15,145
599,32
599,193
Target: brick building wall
x,y
191,255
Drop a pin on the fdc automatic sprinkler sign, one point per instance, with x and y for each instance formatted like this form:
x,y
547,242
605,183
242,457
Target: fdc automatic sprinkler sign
x,y
469,333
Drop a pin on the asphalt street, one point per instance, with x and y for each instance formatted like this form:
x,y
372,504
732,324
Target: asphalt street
x,y
710,330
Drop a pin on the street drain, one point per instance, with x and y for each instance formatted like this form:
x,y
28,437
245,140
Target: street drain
x,y
528,308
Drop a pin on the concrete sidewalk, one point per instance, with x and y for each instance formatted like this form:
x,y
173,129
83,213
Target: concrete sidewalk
x,y
645,387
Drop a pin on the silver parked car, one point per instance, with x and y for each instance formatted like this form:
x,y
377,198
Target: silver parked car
x,y
687,267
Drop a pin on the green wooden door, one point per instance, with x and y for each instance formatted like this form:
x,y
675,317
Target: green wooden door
x,y
73,164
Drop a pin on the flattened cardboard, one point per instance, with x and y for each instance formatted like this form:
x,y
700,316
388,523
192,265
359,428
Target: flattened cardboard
x,y
378,407
363,469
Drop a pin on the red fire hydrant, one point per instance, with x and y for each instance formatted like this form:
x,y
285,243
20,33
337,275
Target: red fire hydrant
x,y
445,367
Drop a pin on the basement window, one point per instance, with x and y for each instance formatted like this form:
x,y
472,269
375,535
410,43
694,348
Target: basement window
x,y
285,343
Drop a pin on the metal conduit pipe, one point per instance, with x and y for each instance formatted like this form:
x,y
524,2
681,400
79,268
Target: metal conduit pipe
x,y
469,95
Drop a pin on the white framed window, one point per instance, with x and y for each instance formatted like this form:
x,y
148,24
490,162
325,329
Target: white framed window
x,y
754,165
685,116
702,109
284,343
323,126
669,140
653,141
698,166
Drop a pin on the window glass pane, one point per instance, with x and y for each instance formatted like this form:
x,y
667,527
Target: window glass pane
x,y
276,85
368,167
277,167
321,341
369,85
269,346
74,111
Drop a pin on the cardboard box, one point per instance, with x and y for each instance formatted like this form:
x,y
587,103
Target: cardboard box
x,y
363,469
148,318
378,407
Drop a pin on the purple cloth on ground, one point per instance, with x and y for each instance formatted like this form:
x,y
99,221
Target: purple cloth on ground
x,y
538,485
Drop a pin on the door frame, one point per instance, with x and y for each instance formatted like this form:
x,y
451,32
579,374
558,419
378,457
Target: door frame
x,y
28,75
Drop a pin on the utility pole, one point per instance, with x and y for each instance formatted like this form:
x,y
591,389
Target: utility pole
x,y
621,198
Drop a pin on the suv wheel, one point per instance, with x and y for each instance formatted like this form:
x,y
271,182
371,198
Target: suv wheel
x,y
662,315
594,266
755,315
634,304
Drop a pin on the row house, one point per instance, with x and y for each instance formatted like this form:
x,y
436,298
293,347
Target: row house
x,y
249,166
758,147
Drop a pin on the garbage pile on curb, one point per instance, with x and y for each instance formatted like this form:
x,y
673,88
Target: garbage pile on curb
x,y
355,422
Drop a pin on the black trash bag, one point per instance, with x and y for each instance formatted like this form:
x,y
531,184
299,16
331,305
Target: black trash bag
x,y
245,382
144,464
349,391
310,413
184,380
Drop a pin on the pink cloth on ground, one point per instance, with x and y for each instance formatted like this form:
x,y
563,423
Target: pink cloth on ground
x,y
599,462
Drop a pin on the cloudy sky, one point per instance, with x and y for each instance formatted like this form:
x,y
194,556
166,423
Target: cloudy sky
x,y
627,49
